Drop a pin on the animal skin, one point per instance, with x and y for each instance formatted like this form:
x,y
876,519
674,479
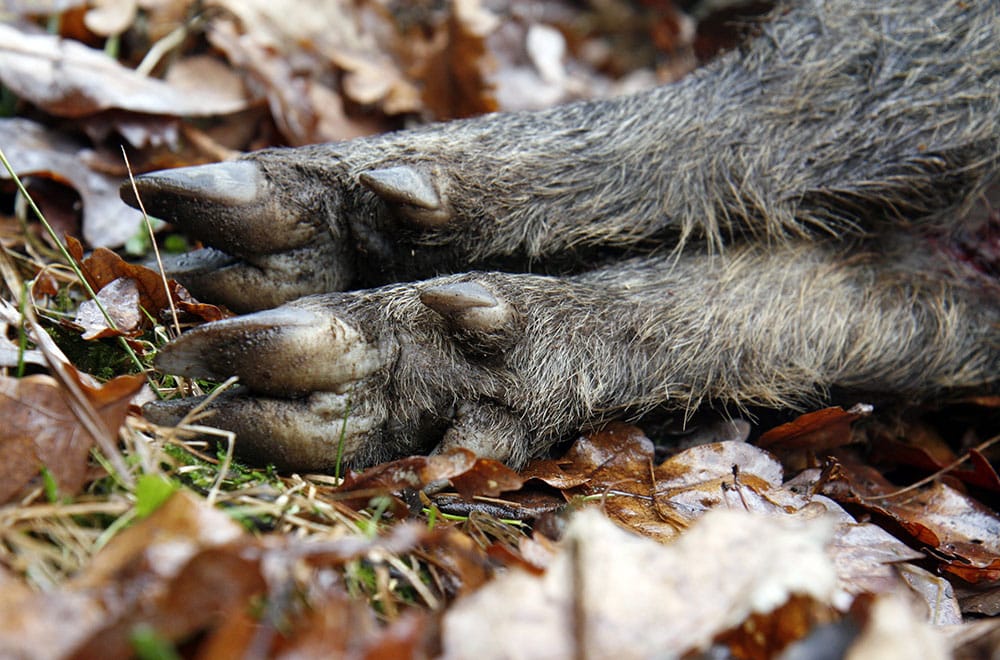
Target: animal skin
x,y
795,219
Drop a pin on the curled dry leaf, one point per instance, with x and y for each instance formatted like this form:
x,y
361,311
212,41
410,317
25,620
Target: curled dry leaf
x,y
104,267
819,430
470,475
286,50
34,150
959,532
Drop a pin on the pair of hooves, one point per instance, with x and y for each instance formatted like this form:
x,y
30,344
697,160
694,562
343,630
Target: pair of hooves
x,y
268,243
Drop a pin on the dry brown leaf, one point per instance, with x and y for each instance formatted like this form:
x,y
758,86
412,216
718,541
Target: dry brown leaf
x,y
817,431
340,626
67,79
177,571
186,303
612,594
285,49
28,620
769,634
470,475
462,565
663,501
920,446
215,582
103,267
42,431
207,78
960,532
456,76
34,150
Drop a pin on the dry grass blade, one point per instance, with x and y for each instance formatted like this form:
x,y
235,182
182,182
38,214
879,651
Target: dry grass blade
x,y
152,242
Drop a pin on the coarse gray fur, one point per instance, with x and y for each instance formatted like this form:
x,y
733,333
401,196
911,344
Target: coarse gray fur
x,y
792,203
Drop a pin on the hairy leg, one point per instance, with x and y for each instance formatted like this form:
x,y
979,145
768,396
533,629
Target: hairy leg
x,y
841,117
508,364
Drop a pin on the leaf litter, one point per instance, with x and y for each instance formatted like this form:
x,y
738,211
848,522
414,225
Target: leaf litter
x,y
136,539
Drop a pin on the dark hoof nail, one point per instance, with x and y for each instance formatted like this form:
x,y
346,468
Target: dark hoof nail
x,y
413,190
266,282
231,184
468,305
231,206
285,351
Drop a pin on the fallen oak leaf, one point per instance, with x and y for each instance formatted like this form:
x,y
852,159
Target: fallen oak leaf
x,y
823,429
42,429
960,532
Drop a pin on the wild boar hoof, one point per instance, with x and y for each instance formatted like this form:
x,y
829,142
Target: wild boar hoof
x,y
362,376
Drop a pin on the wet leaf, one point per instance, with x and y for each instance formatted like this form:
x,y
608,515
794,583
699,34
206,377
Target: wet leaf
x,y
120,299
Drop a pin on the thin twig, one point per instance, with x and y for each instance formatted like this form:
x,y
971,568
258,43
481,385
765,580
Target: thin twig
x,y
948,468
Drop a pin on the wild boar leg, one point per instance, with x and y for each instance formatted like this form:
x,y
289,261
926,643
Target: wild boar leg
x,y
841,118
508,364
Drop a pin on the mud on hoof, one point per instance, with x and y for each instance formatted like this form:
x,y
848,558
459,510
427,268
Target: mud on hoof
x,y
373,374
